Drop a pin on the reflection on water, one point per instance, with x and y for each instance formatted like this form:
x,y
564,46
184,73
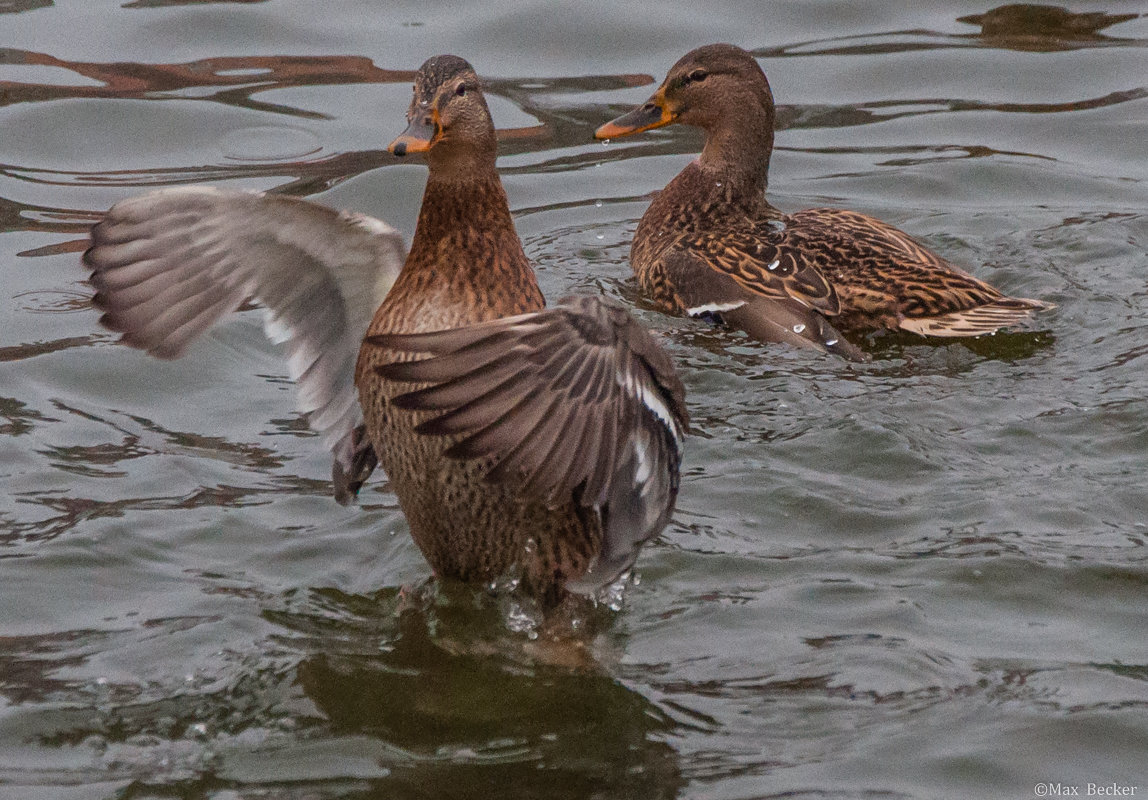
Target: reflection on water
x,y
15,6
917,578
239,78
467,719
1043,28
163,3
1016,26
417,704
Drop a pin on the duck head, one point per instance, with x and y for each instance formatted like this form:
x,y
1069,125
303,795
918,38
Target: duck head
x,y
448,119
710,88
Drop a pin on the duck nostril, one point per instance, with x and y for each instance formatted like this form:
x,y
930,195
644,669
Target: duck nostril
x,y
650,107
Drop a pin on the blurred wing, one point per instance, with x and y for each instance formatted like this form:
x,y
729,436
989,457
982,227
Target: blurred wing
x,y
167,265
576,403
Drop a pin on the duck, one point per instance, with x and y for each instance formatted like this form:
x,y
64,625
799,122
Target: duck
x,y
531,446
711,245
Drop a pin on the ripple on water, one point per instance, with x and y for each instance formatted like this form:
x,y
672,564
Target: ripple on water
x,y
917,577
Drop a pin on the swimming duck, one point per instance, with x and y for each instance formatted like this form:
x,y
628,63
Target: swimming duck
x,y
525,442
711,245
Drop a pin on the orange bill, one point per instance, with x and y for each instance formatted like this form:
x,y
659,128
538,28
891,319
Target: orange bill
x,y
419,136
654,113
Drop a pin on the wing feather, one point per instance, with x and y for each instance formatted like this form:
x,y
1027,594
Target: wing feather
x,y
574,403
773,318
167,265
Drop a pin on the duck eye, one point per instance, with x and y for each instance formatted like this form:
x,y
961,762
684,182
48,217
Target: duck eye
x,y
461,90
697,76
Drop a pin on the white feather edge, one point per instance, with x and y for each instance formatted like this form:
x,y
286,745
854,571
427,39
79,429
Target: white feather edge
x,y
714,308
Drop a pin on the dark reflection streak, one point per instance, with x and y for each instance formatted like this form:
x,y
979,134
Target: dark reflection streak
x,y
885,48
16,6
1040,27
338,166
73,511
21,418
245,455
1019,26
466,720
26,663
241,98
24,351
135,81
891,48
134,445
526,211
948,152
164,81
1110,99
168,3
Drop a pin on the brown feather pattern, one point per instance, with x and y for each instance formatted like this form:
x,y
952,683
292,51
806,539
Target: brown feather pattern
x,y
495,449
847,268
582,362
516,438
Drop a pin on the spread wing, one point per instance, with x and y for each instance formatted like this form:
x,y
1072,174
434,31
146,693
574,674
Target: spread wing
x,y
575,402
168,264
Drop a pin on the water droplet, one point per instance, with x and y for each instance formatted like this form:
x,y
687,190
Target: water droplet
x,y
605,142
798,328
519,619
718,184
830,342
597,204
504,584
775,265
613,595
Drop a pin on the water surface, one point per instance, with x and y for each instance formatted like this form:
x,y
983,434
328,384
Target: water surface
x,y
922,577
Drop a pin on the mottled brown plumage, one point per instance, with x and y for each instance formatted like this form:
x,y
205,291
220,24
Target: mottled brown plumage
x,y
711,244
477,484
538,443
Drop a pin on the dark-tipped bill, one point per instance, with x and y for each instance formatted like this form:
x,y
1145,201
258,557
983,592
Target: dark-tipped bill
x,y
654,113
417,138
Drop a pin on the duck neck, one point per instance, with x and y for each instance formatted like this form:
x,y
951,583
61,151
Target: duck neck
x,y
738,149
466,257
725,184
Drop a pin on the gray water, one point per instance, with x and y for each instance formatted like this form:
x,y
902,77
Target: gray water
x,y
923,577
